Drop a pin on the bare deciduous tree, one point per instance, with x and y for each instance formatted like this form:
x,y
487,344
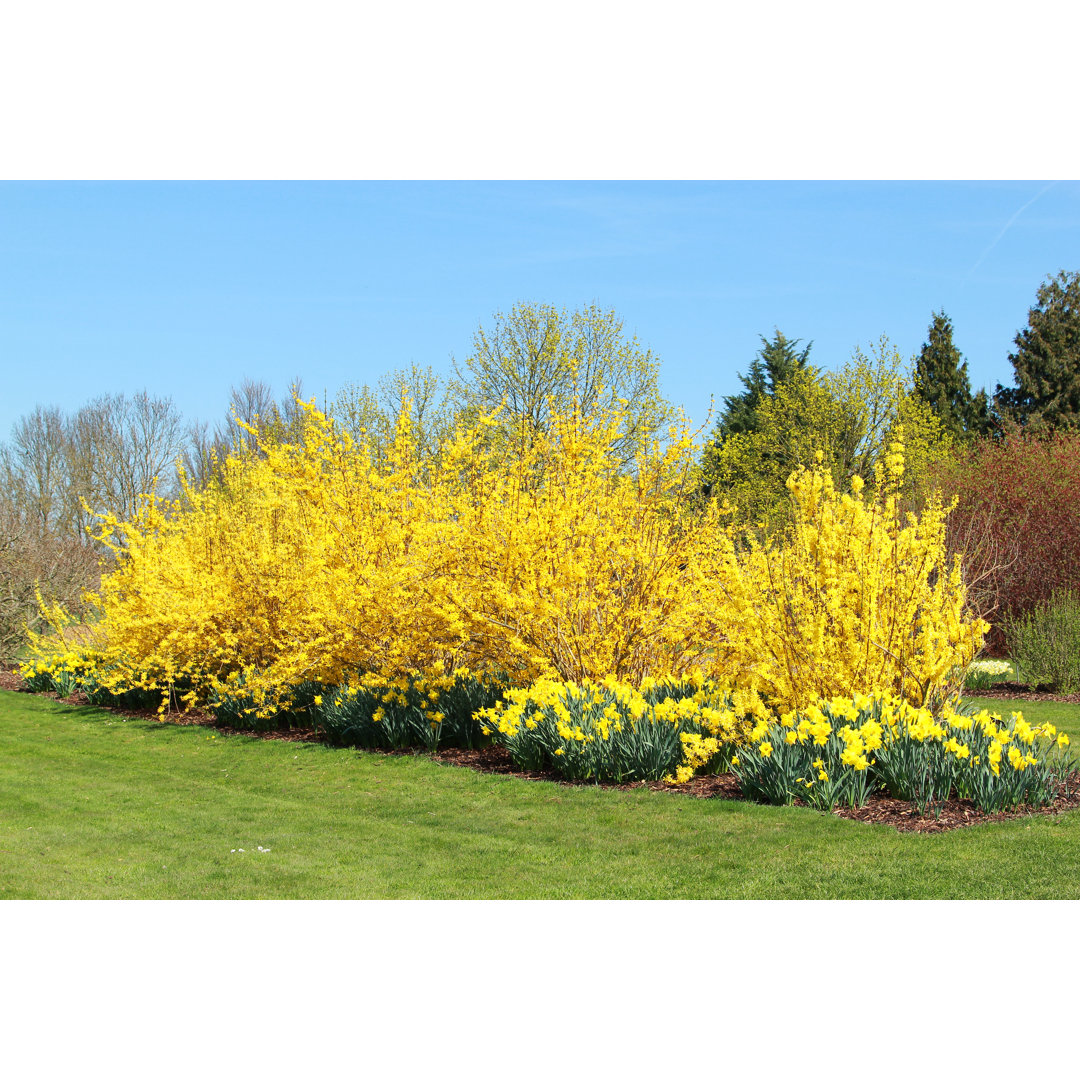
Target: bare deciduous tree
x,y
32,560
33,468
253,415
119,450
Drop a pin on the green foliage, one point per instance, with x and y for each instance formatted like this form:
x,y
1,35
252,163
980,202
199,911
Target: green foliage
x,y
922,771
134,697
537,361
775,363
412,711
237,707
1032,771
62,674
1047,360
840,751
43,681
983,674
812,772
844,419
941,380
1045,642
749,469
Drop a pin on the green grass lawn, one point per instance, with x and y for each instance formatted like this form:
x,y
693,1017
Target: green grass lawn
x,y
93,806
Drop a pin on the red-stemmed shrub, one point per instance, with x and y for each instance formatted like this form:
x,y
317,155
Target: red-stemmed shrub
x,y
1017,521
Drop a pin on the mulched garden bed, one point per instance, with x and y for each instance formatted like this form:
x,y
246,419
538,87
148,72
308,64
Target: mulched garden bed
x,y
880,809
10,680
1022,692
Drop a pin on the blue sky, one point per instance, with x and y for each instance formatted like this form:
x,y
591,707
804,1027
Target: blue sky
x,y
186,288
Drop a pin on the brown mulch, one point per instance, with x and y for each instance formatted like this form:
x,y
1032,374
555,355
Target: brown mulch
x,y
1023,692
883,810
10,680
880,809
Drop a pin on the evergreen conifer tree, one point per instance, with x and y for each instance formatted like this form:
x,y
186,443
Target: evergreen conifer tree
x,y
1047,360
776,361
775,364
941,380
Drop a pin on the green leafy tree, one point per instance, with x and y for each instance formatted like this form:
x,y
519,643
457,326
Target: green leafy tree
x,y
941,380
845,419
1047,360
537,359
749,468
370,416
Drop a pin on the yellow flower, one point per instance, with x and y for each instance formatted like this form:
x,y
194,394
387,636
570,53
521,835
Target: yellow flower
x,y
960,749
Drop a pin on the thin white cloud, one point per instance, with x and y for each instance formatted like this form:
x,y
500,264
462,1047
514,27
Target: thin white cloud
x,y
1008,225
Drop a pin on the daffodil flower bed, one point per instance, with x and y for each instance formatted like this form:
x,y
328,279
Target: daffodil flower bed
x,y
243,701
839,751
62,674
612,731
428,708
419,709
114,686
835,753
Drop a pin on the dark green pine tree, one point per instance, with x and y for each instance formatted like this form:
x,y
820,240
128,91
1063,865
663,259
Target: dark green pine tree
x,y
1047,360
941,380
776,361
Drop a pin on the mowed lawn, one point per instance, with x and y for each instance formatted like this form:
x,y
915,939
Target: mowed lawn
x,y
93,806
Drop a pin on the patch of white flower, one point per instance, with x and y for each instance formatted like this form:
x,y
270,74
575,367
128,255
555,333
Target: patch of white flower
x,y
989,667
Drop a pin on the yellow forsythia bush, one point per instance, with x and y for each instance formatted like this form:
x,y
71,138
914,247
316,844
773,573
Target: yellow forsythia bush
x,y
309,563
300,566
566,564
858,596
